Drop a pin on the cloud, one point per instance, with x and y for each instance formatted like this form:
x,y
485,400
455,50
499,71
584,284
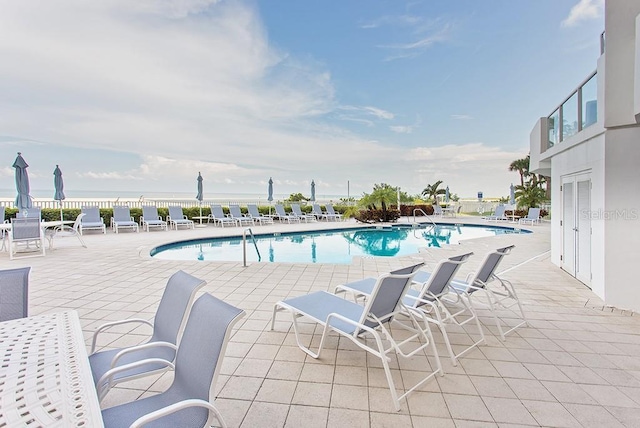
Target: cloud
x,y
394,20
583,11
419,46
461,117
361,114
402,129
112,175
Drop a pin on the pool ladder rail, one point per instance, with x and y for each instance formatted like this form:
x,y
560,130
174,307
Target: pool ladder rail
x,y
244,246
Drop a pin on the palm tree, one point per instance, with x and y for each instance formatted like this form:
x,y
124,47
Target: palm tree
x,y
530,195
522,166
382,194
431,192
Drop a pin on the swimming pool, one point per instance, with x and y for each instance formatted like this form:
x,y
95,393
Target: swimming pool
x,y
328,246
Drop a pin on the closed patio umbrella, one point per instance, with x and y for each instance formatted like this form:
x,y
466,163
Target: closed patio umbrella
x,y
446,194
199,196
23,200
313,191
512,195
59,187
270,197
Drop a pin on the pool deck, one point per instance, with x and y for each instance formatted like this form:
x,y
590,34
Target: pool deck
x,y
577,364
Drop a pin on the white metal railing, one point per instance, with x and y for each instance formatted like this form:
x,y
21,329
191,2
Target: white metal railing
x,y
244,245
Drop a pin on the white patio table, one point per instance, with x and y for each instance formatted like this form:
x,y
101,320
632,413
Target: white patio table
x,y
45,377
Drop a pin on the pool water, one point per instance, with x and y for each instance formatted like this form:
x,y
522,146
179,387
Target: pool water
x,y
333,246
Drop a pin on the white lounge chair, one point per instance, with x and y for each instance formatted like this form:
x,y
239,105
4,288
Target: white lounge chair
x,y
367,326
256,216
485,290
168,325
150,218
332,213
297,211
218,216
437,211
92,220
177,218
533,216
282,215
498,214
122,219
189,400
433,300
317,211
235,213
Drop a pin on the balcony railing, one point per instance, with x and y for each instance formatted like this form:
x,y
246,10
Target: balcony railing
x,y
577,112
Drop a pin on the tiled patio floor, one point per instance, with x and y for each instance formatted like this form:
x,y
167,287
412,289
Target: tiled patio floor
x,y
575,365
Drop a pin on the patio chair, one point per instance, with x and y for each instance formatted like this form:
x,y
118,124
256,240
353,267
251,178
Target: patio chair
x,y
498,214
122,219
256,216
189,401
317,211
485,290
66,231
14,293
282,215
92,220
433,300
168,325
331,213
297,211
361,324
234,211
177,218
437,211
3,232
27,235
218,216
150,218
533,216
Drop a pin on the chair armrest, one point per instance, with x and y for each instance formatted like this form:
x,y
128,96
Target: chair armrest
x,y
103,385
180,405
114,323
139,348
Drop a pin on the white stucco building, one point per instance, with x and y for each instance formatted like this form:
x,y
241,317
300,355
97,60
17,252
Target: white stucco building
x,y
590,146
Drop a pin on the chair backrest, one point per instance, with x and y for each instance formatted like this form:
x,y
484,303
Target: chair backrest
x,y
499,212
387,293
2,214
92,215
437,209
150,212
175,212
297,210
33,212
216,210
441,276
202,348
121,213
280,210
317,210
330,209
488,267
234,210
253,210
174,306
25,228
14,293
533,214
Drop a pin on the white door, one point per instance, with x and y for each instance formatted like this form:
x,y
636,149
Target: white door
x,y
576,226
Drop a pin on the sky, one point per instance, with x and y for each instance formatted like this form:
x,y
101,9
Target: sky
x,y
142,95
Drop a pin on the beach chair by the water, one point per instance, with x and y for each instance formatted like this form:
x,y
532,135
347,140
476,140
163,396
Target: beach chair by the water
x,y
235,213
331,213
498,214
317,211
150,218
169,322
256,216
177,218
533,216
282,215
122,219
189,400
368,326
92,220
218,216
297,211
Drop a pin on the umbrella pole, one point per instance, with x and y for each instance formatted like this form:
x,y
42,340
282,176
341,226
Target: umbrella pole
x,y
61,219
